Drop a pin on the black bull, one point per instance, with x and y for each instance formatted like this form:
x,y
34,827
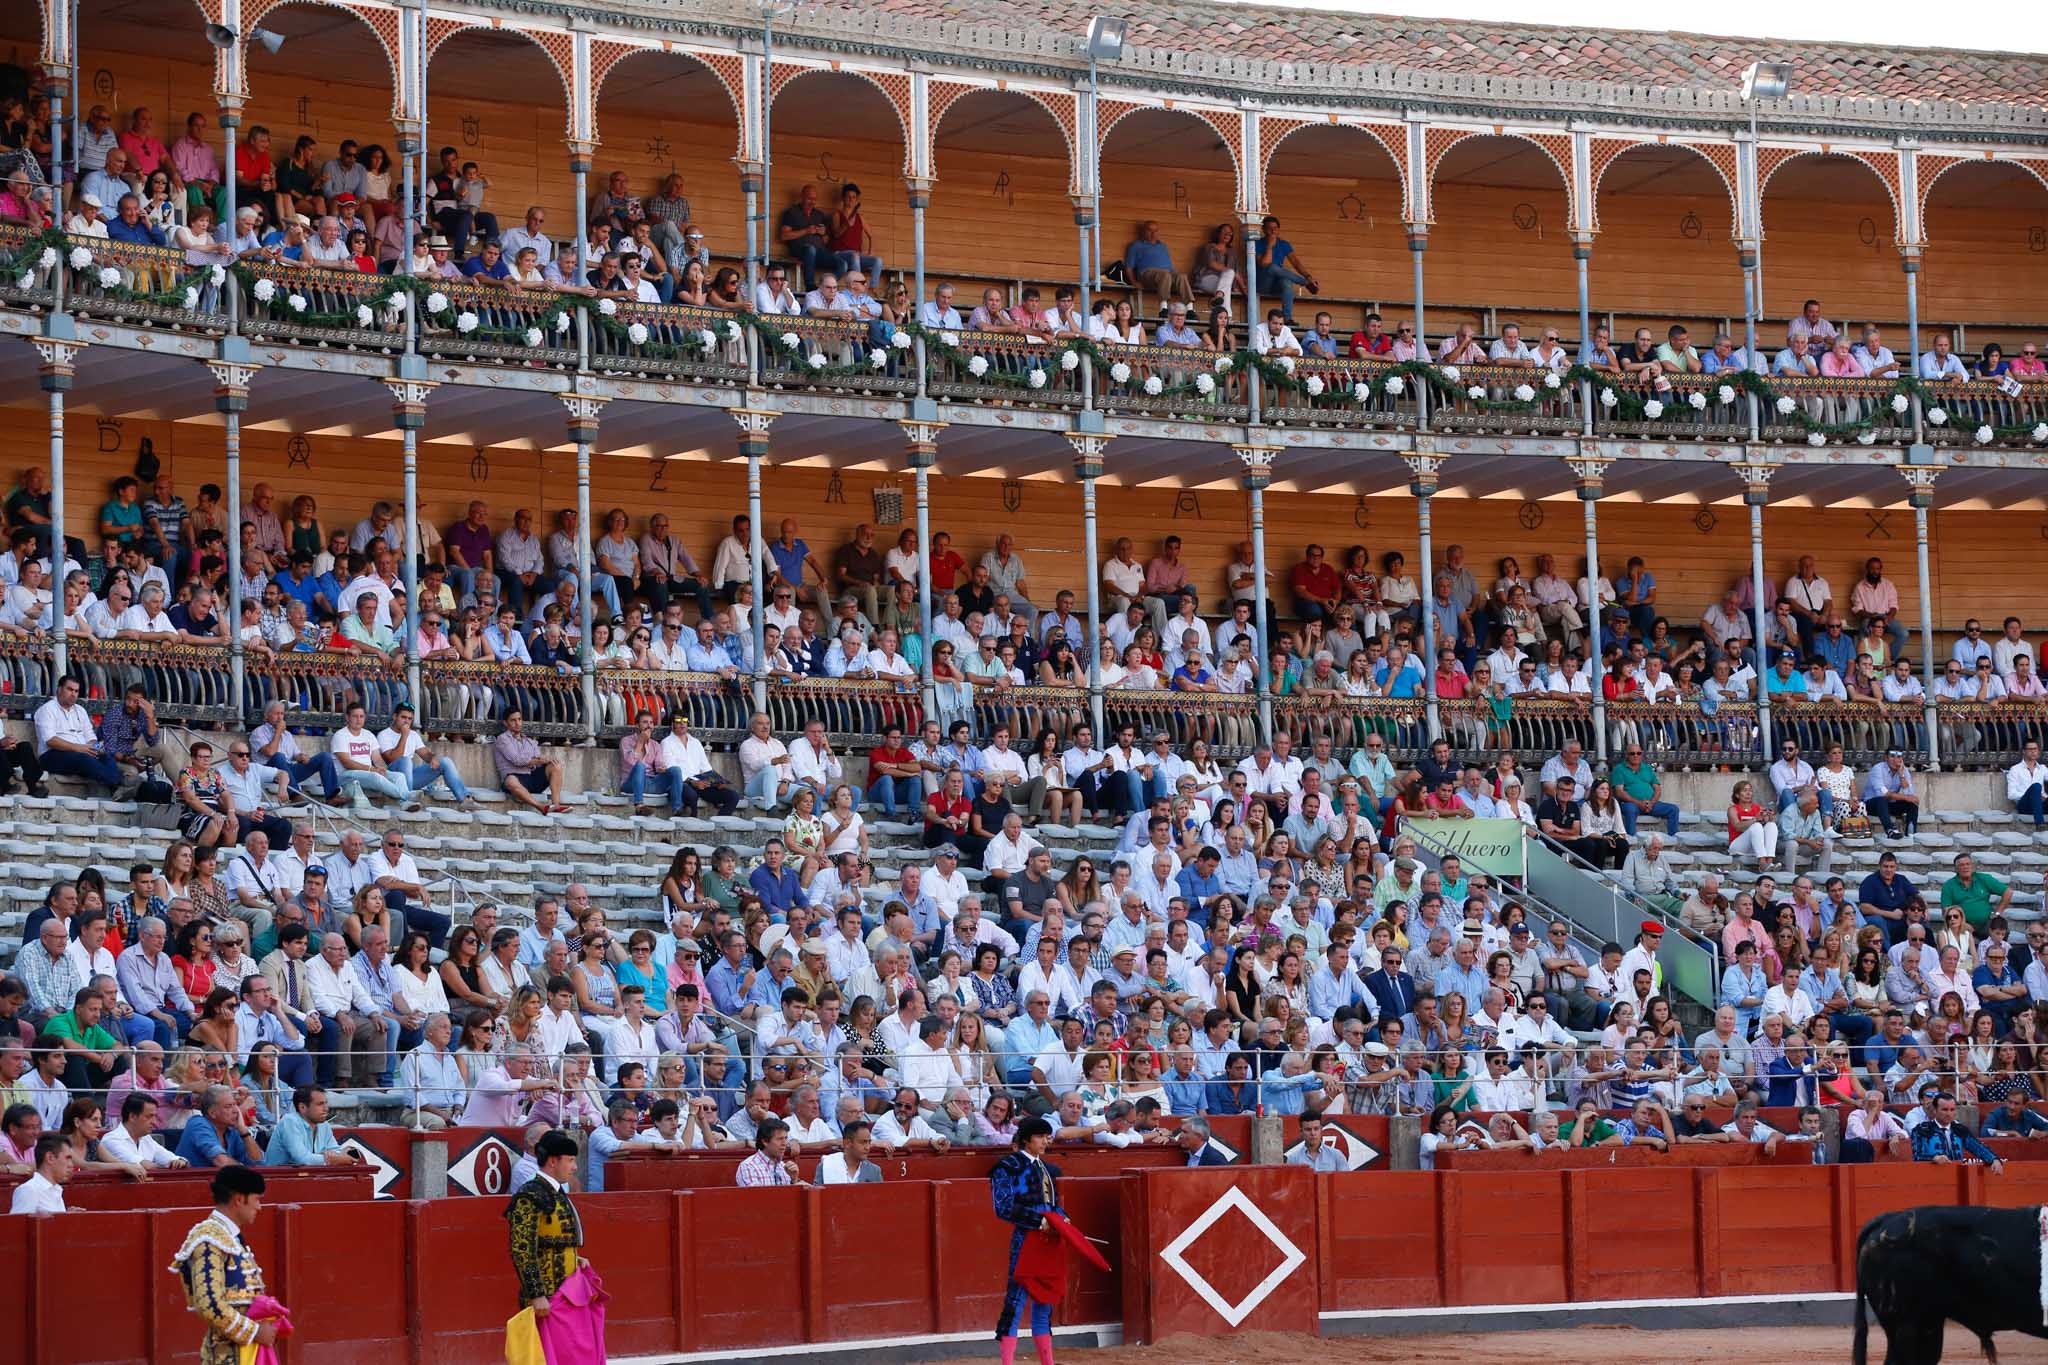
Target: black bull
x,y
1918,1268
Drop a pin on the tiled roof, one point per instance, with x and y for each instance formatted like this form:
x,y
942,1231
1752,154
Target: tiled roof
x,y
1667,60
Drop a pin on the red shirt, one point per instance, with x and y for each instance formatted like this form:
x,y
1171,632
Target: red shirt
x,y
1318,581
880,754
946,569
939,809
1380,345
250,164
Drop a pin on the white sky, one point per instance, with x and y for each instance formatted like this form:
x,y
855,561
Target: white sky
x,y
1994,27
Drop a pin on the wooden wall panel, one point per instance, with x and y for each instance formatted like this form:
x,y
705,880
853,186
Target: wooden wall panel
x,y
1972,555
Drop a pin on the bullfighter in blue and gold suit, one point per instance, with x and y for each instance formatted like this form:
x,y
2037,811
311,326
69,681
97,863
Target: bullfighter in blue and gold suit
x,y
219,1271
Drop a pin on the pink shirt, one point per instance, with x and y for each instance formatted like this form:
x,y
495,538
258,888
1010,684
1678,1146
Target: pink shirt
x,y
145,154
1842,367
2026,367
195,161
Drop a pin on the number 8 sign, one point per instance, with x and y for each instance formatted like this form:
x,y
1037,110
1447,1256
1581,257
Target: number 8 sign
x,y
484,1168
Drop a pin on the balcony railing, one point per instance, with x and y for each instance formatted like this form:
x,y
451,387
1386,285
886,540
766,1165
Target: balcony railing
x,y
191,683
1003,367
325,307
488,322
827,353
466,322
144,284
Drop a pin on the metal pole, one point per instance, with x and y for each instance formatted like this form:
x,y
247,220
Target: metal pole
x,y
1259,657
1092,572
924,580
419,20
408,206
919,197
1417,244
1594,676
586,660
1091,260
57,144
1926,624
1251,320
1422,493
232,433
580,166
1756,573
59,654
411,568
758,617
1582,253
77,120
767,155
1912,267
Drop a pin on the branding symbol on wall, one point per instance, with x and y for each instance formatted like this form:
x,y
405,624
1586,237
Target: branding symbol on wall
x,y
1350,209
1530,515
656,484
298,453
1524,216
1361,514
1690,225
1013,495
1291,1256
1866,232
1181,202
1704,521
2037,239
1186,502
658,148
1002,188
383,1174
109,433
1878,530
305,114
472,130
103,83
479,468
485,1168
835,489
1358,1153
825,171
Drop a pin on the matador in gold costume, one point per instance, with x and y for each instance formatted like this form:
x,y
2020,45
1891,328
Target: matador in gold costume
x,y
545,1230
219,1271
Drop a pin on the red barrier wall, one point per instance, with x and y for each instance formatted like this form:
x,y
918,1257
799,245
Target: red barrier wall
x,y
717,1170
733,1269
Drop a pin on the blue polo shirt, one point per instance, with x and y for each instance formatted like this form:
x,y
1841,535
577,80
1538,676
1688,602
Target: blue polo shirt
x,y
199,1144
790,562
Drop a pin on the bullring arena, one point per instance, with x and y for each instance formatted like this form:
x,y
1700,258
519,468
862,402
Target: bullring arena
x,y
654,657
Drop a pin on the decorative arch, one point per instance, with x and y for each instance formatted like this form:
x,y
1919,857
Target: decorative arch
x,y
893,85
382,22
1391,138
1227,125
1883,165
558,47
728,67
1606,151
1931,168
1437,143
1061,105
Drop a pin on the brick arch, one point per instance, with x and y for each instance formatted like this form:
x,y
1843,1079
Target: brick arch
x,y
1933,168
1390,138
1437,143
382,21
1227,125
730,69
1606,151
894,87
1060,105
1883,165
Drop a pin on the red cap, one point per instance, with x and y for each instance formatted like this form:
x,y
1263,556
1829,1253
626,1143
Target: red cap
x,y
1650,926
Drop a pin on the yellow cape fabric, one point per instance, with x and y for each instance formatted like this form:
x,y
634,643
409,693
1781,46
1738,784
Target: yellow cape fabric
x,y
522,1340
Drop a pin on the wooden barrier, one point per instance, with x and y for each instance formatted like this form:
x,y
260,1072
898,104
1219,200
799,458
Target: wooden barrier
x,y
114,1192
715,1170
725,1268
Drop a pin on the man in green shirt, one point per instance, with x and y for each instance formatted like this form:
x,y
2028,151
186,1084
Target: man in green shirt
x,y
1639,787
91,1054
1980,894
1587,1128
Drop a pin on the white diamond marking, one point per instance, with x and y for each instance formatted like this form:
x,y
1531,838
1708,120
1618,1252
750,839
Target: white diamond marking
x,y
1291,1257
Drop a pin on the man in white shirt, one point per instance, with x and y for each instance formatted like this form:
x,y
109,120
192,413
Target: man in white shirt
x,y
685,754
1274,336
66,741
2025,782
133,1139
43,1192
764,764
1010,850
360,760
813,762
849,1165
344,1006
255,885
938,310
944,882
772,296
